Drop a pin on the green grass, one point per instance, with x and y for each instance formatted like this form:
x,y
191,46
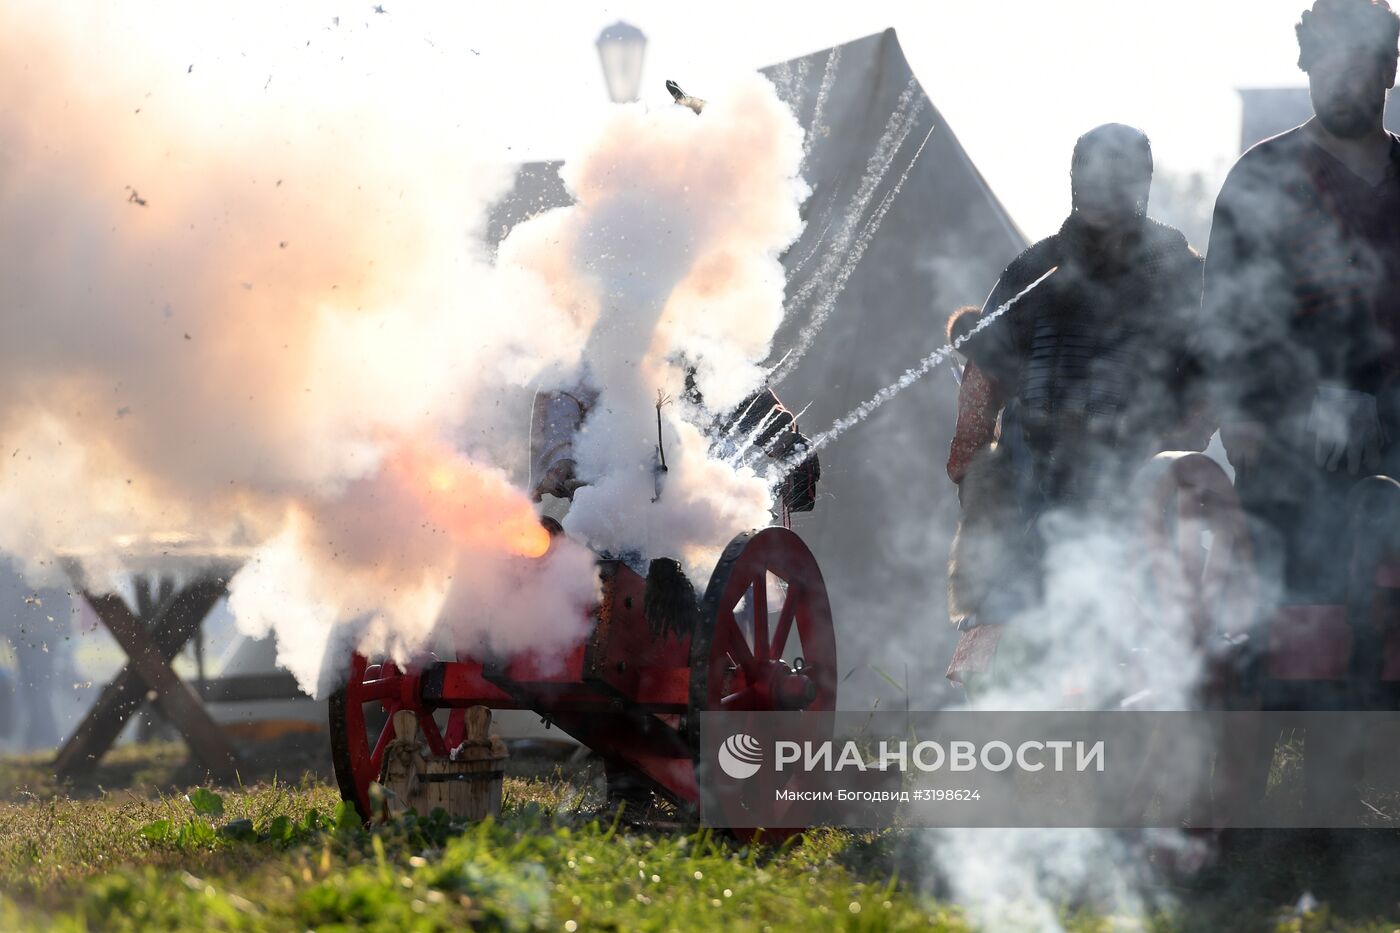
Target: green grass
x,y
280,855
121,862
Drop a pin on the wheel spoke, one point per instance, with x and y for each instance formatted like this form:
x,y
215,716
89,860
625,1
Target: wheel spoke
x,y
359,664
376,757
729,639
759,603
382,689
429,725
740,700
456,728
785,617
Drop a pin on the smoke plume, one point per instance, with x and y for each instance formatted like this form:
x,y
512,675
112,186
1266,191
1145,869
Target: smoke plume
x,y
262,322
674,244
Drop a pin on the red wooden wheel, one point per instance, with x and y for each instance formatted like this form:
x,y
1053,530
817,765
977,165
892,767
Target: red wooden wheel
x,y
766,641
360,714
1213,592
1188,494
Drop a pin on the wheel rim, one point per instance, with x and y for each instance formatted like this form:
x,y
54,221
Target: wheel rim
x,y
1188,494
358,741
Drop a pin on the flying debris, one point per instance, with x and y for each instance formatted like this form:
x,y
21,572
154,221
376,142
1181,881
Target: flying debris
x,y
684,99
380,9
134,198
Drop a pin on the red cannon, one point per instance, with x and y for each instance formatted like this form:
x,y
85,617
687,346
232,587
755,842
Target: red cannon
x,y
1342,656
630,691
1299,654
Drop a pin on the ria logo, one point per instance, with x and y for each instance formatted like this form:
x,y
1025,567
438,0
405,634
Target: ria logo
x,y
740,756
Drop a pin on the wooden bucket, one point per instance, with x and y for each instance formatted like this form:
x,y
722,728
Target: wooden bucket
x,y
466,784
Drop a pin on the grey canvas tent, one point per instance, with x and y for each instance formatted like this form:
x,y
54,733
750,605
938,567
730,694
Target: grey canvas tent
x,y
887,510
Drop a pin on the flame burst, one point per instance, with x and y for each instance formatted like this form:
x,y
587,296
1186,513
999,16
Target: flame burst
x,y
475,506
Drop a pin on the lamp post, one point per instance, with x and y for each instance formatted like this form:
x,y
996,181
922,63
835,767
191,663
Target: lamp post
x,y
621,48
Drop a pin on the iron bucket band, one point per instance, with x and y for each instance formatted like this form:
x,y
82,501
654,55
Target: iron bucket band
x,y
444,776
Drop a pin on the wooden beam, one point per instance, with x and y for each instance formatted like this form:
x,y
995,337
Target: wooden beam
x,y
173,697
174,621
247,688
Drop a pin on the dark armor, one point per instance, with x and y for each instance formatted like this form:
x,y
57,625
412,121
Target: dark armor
x,y
1094,356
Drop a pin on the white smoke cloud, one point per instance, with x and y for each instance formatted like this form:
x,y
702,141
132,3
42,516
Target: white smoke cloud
x,y
268,323
1033,879
672,255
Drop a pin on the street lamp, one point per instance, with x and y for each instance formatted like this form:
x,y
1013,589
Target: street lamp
x,y
620,48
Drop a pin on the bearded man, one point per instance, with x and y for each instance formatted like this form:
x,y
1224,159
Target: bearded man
x,y
1302,344
1302,301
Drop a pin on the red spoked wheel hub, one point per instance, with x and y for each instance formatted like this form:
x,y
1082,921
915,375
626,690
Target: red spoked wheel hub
x,y
360,717
766,643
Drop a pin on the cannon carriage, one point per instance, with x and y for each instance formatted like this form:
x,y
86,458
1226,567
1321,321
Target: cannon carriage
x,y
1193,540
1257,655
1344,655
632,689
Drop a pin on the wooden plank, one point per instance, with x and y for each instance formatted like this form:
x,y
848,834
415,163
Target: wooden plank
x,y
247,688
173,697
663,688
171,627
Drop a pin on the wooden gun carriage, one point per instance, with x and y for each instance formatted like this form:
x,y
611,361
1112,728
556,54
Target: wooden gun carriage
x,y
631,690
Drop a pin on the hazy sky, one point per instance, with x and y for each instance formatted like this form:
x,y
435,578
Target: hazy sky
x,y
1018,80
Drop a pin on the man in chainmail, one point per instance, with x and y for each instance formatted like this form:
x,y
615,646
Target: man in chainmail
x,y
1090,374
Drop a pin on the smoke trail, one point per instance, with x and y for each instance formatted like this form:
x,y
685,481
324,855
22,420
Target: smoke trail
x,y
872,225
782,80
846,254
764,424
791,82
816,247
799,83
833,58
911,376
828,301
897,129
